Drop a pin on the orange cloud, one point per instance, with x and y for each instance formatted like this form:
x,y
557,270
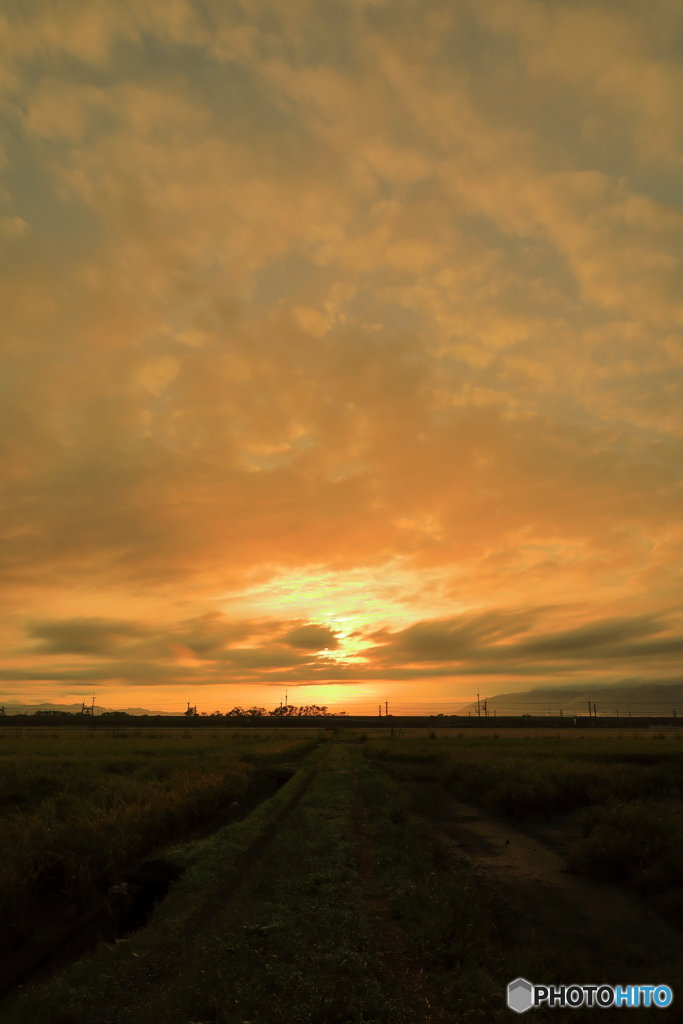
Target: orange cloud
x,y
322,332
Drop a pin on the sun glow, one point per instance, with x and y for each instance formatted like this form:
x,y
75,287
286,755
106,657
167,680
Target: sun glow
x,y
351,603
349,632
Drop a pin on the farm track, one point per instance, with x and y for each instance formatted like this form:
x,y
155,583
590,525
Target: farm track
x,y
156,972
392,943
324,944
401,978
402,974
539,900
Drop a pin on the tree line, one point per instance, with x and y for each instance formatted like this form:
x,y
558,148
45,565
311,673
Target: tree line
x,y
282,711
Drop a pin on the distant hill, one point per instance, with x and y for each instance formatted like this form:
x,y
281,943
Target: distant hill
x,y
643,699
32,709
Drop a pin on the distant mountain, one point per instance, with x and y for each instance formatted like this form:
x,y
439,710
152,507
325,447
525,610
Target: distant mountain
x,y
642,699
32,709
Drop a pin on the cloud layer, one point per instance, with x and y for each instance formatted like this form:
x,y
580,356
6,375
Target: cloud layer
x,y
355,325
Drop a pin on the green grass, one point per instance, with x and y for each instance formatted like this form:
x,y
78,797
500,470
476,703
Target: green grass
x,y
293,944
539,776
444,908
277,932
619,786
272,921
634,842
75,809
267,924
457,923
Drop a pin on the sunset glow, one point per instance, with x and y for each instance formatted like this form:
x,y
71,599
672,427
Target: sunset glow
x,y
342,350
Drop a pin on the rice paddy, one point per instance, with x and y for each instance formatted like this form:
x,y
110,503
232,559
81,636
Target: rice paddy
x,y
76,807
335,900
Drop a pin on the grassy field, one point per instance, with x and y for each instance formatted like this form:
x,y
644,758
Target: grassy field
x,y
328,905
627,789
76,807
332,903
542,775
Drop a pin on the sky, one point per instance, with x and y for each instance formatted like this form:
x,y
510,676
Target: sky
x,y
342,349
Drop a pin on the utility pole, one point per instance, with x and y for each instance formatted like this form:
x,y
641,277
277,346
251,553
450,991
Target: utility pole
x,y
595,711
379,709
386,708
478,705
590,713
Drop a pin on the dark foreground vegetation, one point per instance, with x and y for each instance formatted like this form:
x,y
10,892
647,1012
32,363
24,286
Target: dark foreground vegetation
x,y
332,903
76,809
628,792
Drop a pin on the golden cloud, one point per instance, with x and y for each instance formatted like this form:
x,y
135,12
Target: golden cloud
x,y
289,294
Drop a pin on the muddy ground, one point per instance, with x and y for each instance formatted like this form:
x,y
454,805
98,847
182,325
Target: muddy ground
x,y
541,902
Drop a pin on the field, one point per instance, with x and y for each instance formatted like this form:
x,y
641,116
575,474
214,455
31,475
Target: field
x,y
338,899
629,790
77,807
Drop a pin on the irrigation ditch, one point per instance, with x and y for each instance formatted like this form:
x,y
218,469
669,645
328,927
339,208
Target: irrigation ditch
x,y
139,969
54,930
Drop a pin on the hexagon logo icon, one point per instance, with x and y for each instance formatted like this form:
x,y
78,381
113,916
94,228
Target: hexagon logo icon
x,y
520,995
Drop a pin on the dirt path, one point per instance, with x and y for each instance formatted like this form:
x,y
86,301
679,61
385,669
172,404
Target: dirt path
x,y
539,900
392,943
